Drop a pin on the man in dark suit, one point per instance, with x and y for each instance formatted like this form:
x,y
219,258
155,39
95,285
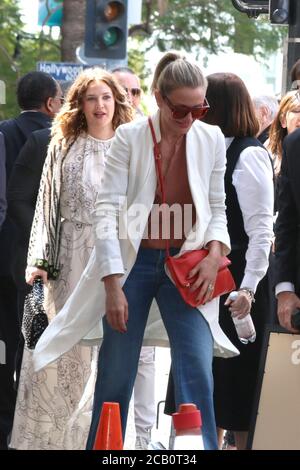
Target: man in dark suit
x,y
3,203
39,97
24,185
287,244
22,194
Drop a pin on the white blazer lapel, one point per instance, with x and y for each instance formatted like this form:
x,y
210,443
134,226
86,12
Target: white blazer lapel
x,y
142,200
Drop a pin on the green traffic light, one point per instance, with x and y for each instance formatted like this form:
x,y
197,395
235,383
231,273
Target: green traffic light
x,y
111,36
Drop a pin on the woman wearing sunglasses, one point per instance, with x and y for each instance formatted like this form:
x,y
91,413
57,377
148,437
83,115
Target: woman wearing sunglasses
x,y
127,269
249,208
131,84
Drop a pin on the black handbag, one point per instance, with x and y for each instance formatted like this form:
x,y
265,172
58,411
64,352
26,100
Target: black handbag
x,y
35,319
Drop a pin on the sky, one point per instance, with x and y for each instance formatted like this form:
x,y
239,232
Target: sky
x,y
30,12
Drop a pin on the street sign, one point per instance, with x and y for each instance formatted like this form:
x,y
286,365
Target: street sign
x,y
61,70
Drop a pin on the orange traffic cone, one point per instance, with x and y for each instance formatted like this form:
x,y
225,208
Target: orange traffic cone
x,y
109,432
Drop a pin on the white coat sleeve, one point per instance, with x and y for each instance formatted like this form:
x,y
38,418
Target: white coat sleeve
x,y
108,207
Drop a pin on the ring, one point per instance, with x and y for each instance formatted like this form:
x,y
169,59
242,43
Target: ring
x,y
210,287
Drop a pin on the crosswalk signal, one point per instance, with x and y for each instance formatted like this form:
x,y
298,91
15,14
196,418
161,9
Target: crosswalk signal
x,y
279,11
106,29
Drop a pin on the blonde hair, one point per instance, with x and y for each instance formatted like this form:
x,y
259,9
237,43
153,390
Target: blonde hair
x,y
277,133
70,122
174,71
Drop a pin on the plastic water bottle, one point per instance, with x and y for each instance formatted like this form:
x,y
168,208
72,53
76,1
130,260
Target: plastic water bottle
x,y
187,424
244,326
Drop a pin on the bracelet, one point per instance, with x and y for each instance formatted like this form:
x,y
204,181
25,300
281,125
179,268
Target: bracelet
x,y
249,292
41,264
53,272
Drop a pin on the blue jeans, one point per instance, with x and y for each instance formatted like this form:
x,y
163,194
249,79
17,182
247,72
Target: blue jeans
x,y
191,346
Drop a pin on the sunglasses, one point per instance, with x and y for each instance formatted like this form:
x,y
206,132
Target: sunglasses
x,y
136,92
180,112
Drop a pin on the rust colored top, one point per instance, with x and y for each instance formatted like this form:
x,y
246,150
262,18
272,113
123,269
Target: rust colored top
x,y
175,220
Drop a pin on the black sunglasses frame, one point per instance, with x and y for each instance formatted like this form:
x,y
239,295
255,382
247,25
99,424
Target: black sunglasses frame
x,y
136,92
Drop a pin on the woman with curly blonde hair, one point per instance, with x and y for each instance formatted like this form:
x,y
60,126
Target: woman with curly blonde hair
x,y
54,407
285,122
71,121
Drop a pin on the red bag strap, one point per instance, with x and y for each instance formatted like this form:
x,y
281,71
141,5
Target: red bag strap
x,y
157,159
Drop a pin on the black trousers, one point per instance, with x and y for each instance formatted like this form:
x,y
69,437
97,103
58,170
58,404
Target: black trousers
x,y
9,337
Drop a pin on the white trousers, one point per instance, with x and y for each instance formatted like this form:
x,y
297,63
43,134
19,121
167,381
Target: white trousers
x,y
144,392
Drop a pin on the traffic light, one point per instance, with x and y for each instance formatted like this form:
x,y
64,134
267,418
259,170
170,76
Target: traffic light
x,y
106,29
279,11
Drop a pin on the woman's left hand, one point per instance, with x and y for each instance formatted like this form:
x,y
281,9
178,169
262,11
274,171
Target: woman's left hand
x,y
206,272
241,306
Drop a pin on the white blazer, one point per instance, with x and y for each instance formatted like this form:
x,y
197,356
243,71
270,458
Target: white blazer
x,y
130,172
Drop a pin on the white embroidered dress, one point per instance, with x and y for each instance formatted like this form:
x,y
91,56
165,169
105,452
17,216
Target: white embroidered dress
x,y
54,406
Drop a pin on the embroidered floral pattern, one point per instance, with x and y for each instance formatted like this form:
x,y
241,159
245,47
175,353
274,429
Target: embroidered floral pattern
x,y
54,406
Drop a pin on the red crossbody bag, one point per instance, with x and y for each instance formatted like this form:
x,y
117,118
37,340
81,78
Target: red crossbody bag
x,y
181,266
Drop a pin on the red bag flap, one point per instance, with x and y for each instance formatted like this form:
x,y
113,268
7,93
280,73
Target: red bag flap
x,y
181,266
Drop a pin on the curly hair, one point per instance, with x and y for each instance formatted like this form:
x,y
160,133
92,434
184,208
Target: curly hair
x,y
70,122
277,132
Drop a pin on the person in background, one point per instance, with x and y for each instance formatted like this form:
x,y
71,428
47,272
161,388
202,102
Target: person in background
x,y
285,122
144,387
23,189
3,203
249,210
39,98
131,84
266,108
295,75
287,253
54,407
22,193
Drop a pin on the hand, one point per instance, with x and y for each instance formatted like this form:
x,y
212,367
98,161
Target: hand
x,y
241,306
116,304
33,272
206,272
288,302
